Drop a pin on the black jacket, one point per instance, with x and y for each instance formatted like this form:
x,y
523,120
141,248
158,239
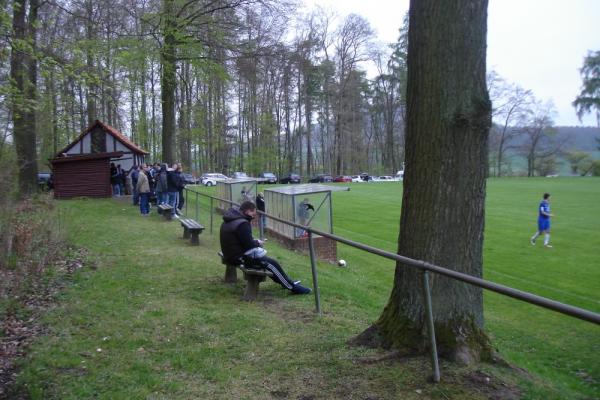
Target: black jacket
x,y
236,235
260,203
173,181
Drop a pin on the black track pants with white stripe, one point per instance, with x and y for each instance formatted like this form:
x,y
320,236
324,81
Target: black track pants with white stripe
x,y
279,274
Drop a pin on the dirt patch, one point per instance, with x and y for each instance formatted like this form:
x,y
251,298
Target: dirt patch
x,y
490,386
286,310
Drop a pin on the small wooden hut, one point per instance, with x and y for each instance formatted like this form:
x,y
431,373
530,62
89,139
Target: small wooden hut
x,y
83,175
83,167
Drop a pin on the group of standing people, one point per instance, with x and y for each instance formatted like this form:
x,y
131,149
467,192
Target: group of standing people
x,y
118,178
160,182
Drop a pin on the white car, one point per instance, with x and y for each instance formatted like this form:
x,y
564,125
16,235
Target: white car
x,y
357,178
211,179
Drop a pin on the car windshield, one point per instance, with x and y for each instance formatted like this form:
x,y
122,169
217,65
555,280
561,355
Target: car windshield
x,y
268,175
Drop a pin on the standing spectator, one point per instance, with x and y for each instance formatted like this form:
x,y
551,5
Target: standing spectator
x,y
262,218
303,212
143,189
134,174
114,180
121,179
181,197
543,221
172,189
161,184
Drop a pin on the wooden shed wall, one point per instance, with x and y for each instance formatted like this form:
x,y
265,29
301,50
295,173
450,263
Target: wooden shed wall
x,y
90,178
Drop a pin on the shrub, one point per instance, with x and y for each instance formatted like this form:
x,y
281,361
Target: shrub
x,y
29,241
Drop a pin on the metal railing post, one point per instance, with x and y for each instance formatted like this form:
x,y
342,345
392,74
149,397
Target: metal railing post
x,y
186,200
261,225
313,266
212,210
435,366
197,205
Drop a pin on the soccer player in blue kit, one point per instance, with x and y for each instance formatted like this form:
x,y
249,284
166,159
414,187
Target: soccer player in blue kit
x,y
543,221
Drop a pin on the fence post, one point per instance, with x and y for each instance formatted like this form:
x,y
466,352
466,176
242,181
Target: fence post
x,y
197,205
431,330
261,225
212,210
185,200
313,266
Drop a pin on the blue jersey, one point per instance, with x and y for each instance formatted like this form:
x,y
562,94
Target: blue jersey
x,y
544,209
543,217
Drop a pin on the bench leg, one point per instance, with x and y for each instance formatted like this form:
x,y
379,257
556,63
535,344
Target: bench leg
x,y
252,282
195,240
230,274
168,215
186,233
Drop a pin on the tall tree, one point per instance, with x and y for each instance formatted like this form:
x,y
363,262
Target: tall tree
x,y
589,98
442,217
23,73
539,144
352,40
511,104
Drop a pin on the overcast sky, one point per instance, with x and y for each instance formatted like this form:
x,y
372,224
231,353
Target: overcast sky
x,y
537,44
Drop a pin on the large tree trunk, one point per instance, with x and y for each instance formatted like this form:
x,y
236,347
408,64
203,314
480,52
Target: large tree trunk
x,y
442,218
23,73
168,83
89,57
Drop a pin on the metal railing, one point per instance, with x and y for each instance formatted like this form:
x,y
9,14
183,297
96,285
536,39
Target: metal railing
x,y
425,267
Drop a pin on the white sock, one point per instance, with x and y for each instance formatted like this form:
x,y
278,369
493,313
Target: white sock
x,y
535,236
546,239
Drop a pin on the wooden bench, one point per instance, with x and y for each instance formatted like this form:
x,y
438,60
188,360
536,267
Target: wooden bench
x,y
166,211
252,276
191,229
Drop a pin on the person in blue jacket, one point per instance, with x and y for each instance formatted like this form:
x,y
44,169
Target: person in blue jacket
x,y
544,215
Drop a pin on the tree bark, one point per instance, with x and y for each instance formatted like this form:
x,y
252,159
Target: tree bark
x,y
168,82
442,218
23,73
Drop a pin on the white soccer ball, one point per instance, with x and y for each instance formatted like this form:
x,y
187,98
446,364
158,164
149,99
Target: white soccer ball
x,y
342,263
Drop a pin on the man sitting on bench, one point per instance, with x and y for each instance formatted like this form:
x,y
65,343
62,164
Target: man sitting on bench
x,y
236,242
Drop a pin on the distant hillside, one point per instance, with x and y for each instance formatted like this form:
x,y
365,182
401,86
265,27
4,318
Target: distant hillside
x,y
579,138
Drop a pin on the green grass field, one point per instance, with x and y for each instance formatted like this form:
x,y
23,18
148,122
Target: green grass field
x,y
155,321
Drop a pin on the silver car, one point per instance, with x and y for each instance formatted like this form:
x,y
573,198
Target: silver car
x,y
211,178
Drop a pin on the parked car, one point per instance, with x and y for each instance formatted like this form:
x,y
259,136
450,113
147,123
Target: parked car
x,y
211,178
189,179
44,180
384,178
400,174
290,178
320,178
356,178
239,175
343,178
268,177
365,177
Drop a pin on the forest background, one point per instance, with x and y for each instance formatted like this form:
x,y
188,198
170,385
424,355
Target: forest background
x,y
248,85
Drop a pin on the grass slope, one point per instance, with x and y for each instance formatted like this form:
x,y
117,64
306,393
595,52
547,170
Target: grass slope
x,y
154,320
